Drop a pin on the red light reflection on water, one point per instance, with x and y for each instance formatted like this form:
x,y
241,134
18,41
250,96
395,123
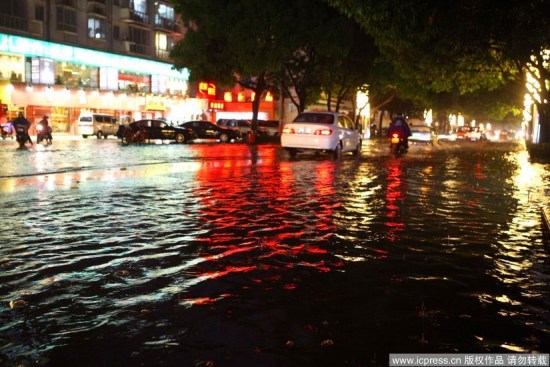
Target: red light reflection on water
x,y
395,194
248,207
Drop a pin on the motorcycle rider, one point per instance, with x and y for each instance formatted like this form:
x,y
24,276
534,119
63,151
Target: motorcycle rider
x,y
46,130
21,122
8,130
399,125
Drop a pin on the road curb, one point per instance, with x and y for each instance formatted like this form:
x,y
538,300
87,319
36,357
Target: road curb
x,y
545,214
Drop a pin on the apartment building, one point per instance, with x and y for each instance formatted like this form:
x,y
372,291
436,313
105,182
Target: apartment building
x,y
64,57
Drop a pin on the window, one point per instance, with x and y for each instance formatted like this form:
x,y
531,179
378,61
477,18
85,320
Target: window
x,y
164,16
96,28
39,12
166,12
140,6
313,117
66,19
138,35
116,32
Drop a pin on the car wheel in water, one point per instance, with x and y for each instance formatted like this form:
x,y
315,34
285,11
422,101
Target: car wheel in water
x,y
337,152
85,136
99,134
357,150
224,138
180,138
292,152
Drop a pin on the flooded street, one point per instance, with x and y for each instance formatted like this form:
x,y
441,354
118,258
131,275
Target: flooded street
x,y
235,255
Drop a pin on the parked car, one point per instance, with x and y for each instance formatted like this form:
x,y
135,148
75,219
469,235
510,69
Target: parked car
x,y
208,130
268,127
475,134
422,134
321,131
98,124
154,129
242,126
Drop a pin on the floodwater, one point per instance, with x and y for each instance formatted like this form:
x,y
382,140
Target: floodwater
x,y
234,255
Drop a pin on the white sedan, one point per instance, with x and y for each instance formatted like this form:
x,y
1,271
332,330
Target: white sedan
x,y
422,134
321,132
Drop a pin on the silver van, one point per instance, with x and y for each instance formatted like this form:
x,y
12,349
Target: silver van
x,y
98,124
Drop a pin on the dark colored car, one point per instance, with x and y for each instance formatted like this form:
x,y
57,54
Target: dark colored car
x,y
208,130
155,129
242,126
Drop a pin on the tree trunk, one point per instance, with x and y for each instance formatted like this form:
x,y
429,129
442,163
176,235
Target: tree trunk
x,y
380,120
544,121
260,89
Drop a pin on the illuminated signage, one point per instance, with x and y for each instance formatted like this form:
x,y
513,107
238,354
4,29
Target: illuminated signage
x,y
46,71
154,103
42,70
159,84
217,105
58,52
207,89
108,78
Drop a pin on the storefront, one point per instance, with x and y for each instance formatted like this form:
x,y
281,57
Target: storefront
x,y
45,79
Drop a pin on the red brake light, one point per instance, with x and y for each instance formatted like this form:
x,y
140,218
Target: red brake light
x,y
288,130
323,132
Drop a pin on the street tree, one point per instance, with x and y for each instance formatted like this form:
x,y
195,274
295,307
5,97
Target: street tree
x,y
463,47
232,43
304,47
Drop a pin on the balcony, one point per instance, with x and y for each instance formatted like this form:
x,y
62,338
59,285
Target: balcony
x,y
98,10
135,48
13,22
163,55
166,24
128,15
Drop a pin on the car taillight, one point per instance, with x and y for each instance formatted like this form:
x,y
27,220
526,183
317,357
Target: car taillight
x,y
323,132
288,130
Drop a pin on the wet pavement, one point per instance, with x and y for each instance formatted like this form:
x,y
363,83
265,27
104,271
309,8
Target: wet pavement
x,y
234,255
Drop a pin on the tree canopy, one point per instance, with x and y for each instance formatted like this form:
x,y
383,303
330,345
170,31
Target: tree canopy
x,y
466,48
467,56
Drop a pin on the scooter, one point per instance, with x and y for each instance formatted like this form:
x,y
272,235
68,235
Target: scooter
x,y
43,134
22,136
397,144
7,131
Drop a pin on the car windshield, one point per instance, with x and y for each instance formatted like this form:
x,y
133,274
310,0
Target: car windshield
x,y
317,118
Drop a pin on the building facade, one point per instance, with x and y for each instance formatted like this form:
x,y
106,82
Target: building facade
x,y
64,57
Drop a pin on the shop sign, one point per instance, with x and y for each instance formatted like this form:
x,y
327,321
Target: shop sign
x,y
207,90
217,105
154,103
